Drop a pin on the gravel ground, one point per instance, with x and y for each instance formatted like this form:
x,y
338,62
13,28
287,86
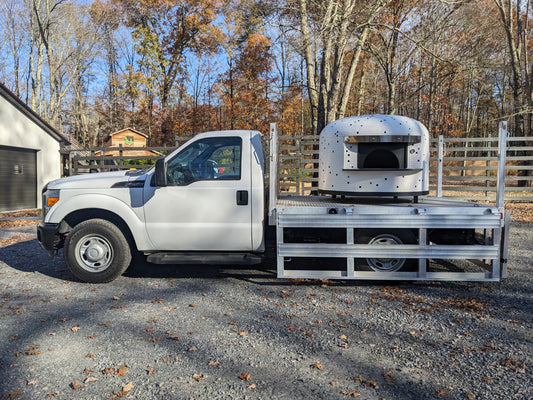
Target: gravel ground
x,y
165,332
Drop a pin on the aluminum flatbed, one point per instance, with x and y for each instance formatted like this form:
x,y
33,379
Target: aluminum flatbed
x,y
303,251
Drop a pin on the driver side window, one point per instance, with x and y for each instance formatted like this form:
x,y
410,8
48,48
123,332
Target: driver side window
x,y
206,159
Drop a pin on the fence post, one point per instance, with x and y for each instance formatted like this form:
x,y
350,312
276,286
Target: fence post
x,y
70,164
487,163
440,160
502,153
274,180
120,155
93,162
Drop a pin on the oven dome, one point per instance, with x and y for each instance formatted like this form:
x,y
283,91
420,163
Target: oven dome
x,y
374,155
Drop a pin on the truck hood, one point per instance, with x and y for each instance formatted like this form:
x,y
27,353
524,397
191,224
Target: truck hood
x,y
101,180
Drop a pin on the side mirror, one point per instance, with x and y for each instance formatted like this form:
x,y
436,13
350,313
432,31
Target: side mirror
x,y
160,172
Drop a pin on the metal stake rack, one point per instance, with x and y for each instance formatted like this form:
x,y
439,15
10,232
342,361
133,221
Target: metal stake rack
x,y
484,260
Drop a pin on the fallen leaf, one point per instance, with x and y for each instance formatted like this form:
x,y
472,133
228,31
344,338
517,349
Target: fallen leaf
x,y
371,383
150,372
12,395
440,392
353,393
108,370
243,334
213,362
76,386
90,355
90,379
291,328
343,337
192,349
515,365
33,350
192,305
198,377
75,328
245,377
127,387
116,298
318,366
121,370
252,386
389,377
31,383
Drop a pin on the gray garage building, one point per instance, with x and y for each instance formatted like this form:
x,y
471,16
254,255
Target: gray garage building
x,y
29,153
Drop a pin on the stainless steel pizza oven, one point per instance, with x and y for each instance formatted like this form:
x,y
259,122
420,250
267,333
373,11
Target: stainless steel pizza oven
x,y
374,155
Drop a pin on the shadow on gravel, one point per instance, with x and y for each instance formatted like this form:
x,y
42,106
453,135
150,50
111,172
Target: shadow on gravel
x,y
28,256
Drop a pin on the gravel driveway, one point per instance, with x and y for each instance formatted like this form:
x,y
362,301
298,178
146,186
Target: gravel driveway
x,y
165,332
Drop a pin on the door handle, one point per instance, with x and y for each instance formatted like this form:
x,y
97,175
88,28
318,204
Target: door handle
x,y
242,197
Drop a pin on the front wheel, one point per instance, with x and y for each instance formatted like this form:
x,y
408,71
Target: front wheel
x,y
96,251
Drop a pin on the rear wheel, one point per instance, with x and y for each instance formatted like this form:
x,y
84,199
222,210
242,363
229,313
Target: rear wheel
x,y
380,237
96,251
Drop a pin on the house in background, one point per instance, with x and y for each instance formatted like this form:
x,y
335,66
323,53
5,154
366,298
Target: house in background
x,y
29,153
127,138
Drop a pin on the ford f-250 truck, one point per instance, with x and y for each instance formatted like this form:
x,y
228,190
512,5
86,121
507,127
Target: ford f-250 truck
x,y
205,204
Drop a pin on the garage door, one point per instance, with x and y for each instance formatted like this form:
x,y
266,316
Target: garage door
x,y
18,178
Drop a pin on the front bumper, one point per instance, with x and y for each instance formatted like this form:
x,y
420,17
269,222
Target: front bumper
x,y
49,238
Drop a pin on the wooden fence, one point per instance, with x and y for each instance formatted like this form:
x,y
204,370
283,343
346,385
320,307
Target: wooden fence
x,y
468,165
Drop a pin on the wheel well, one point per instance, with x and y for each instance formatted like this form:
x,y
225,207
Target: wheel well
x,y
74,218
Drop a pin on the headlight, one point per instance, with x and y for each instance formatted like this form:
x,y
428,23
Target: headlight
x,y
50,197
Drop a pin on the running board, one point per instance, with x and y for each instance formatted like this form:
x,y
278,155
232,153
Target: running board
x,y
204,258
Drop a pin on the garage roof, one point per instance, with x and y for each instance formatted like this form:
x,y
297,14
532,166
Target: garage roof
x,y
32,115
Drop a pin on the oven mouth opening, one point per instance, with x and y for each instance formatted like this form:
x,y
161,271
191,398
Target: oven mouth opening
x,y
381,159
382,156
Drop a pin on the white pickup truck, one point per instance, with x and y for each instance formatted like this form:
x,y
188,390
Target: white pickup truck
x,y
205,204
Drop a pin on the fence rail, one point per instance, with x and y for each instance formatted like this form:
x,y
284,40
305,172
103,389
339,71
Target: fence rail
x,y
469,165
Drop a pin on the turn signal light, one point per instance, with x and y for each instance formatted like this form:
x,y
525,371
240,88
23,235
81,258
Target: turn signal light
x,y
50,201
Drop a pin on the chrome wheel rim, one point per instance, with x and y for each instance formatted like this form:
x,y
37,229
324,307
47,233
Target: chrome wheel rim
x,y
385,264
94,253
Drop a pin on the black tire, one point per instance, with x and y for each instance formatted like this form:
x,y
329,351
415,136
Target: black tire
x,y
96,251
382,237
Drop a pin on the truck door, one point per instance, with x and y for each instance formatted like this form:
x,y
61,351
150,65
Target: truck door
x,y
206,205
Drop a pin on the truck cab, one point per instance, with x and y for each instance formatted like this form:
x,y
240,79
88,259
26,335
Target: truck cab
x,y
204,200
